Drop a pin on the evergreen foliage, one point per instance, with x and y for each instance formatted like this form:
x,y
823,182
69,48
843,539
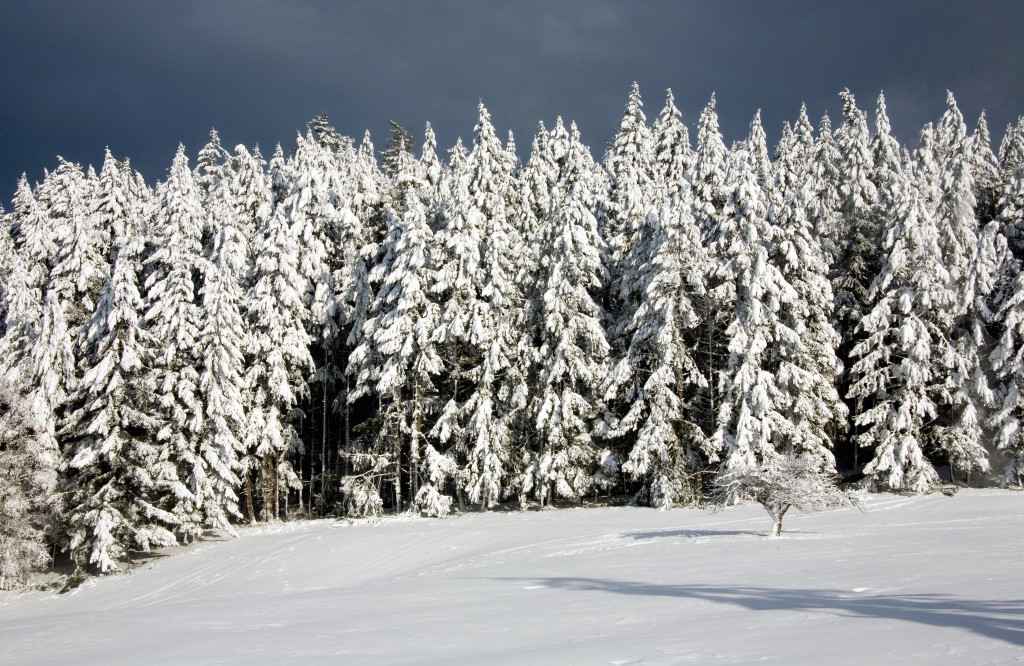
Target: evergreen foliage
x,y
328,333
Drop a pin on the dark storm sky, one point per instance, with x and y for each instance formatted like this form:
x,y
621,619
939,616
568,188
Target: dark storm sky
x,y
141,76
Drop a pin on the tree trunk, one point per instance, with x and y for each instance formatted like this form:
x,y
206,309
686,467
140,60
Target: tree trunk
x,y
414,444
323,451
277,487
777,527
248,497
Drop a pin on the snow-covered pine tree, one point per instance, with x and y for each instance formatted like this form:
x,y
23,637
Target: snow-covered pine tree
x,y
789,161
210,176
752,291
806,372
480,322
219,345
429,162
709,197
364,222
79,266
34,237
398,359
28,484
277,357
249,202
1011,153
708,177
757,144
495,326
61,195
854,238
673,156
1007,358
533,204
48,374
985,168
7,252
630,166
250,199
887,167
859,225
173,319
313,215
793,155
279,173
827,199
111,485
400,143
659,370
972,263
898,369
572,357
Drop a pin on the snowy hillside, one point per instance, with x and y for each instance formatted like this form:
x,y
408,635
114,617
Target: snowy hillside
x,y
914,580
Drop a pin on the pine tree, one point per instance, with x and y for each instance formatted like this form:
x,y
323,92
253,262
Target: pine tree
x,y
429,162
7,252
210,176
34,236
673,156
630,164
173,319
709,197
61,194
807,372
985,168
249,197
663,377
1007,358
898,368
826,197
751,418
708,177
400,143
278,358
970,262
1011,153
398,359
221,386
112,490
887,167
28,481
479,323
857,259
573,350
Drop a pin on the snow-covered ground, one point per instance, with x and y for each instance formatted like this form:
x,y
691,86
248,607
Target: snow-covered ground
x,y
933,579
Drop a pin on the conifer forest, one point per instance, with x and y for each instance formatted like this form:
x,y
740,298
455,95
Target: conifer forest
x,y
335,330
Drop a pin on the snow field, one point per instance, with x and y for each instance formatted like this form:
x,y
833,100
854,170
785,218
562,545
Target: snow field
x,y
914,580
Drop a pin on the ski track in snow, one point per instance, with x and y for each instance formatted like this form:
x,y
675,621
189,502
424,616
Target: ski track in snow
x,y
931,579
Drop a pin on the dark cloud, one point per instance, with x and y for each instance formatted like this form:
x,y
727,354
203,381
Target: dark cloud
x,y
142,76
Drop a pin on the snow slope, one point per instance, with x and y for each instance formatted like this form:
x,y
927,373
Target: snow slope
x,y
931,579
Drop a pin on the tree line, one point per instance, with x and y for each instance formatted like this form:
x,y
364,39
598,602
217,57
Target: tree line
x,y
336,331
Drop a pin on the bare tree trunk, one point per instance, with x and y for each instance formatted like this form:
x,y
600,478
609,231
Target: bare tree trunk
x,y
398,454
248,497
277,486
323,450
414,444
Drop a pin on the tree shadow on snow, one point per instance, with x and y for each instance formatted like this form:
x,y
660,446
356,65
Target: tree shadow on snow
x,y
1001,620
691,534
